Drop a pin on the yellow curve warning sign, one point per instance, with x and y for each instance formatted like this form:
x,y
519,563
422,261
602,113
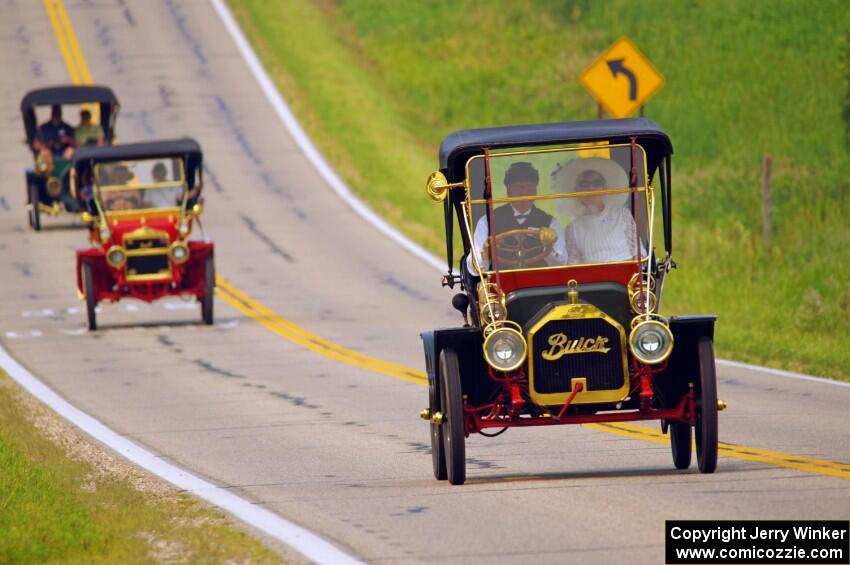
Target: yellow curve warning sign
x,y
622,79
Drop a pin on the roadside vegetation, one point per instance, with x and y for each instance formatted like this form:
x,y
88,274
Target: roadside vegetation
x,y
379,83
64,499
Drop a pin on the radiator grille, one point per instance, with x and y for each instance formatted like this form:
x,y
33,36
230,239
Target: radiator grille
x,y
146,243
603,371
147,265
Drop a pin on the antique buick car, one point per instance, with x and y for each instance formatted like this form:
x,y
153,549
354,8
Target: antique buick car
x,y
47,181
560,291
141,201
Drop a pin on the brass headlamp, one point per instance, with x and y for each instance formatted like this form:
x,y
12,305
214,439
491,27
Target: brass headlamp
x,y
116,256
179,252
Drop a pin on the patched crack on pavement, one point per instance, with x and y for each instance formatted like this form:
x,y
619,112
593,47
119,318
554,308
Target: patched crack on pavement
x,y
298,401
207,366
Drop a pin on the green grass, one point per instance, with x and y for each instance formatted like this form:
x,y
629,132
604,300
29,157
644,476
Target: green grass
x,y
379,83
59,509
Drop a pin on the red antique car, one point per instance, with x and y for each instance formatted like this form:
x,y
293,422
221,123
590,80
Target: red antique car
x,y
561,284
141,201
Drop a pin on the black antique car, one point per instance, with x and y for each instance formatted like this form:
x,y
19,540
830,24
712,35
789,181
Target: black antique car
x,y
560,286
47,180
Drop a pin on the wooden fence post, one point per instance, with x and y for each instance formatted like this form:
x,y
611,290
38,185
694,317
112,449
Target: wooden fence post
x,y
766,219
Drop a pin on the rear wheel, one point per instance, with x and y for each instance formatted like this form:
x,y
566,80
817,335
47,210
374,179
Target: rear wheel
x,y
91,297
680,442
34,211
438,454
209,291
453,420
705,430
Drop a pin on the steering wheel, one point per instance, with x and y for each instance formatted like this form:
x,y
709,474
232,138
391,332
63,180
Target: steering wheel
x,y
522,247
124,202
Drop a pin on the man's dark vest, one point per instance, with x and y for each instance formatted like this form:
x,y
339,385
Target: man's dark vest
x,y
505,220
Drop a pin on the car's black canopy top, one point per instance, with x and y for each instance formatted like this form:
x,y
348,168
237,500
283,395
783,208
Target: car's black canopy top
x,y
458,147
70,94
185,148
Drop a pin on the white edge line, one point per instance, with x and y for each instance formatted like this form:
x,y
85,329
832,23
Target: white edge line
x,y
326,171
312,153
300,539
781,373
305,542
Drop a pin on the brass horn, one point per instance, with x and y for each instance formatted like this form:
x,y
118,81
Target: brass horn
x,y
437,187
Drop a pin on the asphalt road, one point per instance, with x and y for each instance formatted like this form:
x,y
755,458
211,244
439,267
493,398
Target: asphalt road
x,y
335,447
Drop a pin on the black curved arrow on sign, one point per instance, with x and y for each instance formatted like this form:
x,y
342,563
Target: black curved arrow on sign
x,y
616,66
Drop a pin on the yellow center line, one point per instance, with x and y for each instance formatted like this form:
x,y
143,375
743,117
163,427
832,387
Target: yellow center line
x,y
85,75
59,31
808,464
301,336
79,72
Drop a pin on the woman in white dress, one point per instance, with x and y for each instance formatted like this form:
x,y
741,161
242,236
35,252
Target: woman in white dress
x,y
603,229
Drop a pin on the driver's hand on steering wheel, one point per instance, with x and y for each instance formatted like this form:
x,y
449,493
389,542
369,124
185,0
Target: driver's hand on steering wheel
x,y
548,236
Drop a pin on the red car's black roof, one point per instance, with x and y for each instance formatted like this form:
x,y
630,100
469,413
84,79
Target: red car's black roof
x,y
185,147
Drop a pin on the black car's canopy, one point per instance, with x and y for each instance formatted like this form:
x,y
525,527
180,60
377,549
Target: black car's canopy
x,y
70,94
458,147
185,148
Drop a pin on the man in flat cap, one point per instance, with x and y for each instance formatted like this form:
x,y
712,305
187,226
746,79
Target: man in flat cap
x,y
540,240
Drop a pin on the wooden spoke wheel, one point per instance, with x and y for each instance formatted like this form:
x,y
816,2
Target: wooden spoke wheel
x,y
438,454
705,430
451,400
209,292
680,443
91,297
34,213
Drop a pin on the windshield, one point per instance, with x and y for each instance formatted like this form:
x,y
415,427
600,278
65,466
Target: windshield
x,y
557,207
140,185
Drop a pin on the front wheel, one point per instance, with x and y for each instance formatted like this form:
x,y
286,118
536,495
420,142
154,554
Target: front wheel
x,y
209,291
705,429
438,454
453,420
680,443
34,211
91,297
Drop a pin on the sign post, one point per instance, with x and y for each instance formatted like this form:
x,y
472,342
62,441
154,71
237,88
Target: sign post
x,y
622,79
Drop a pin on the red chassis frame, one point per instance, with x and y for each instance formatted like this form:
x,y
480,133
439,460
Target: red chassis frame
x,y
110,283
505,412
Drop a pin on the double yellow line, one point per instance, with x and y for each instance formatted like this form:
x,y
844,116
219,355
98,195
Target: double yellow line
x,y
268,318
68,44
808,464
299,335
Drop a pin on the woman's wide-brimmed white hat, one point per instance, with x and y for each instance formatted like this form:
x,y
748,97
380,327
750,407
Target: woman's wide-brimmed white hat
x,y
565,177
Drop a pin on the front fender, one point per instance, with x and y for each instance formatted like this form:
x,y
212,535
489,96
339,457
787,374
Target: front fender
x,y
103,280
683,365
194,268
467,343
